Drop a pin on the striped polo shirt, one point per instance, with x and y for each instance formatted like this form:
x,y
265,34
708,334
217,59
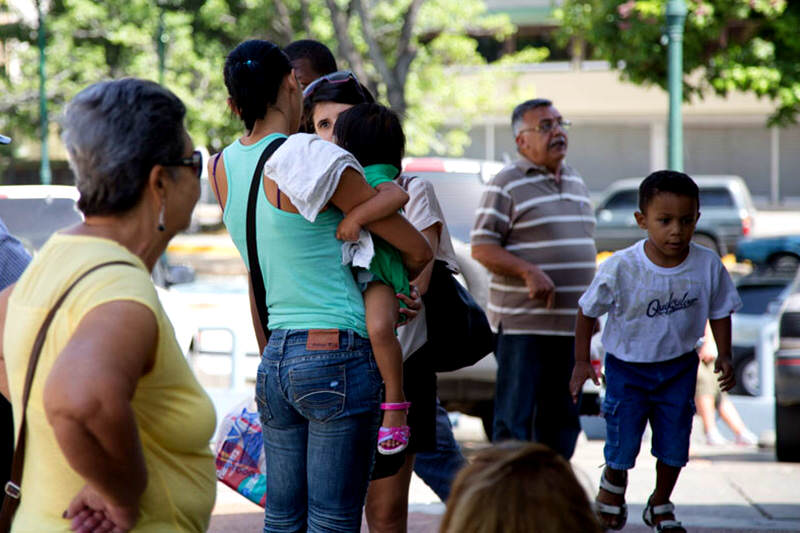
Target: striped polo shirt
x,y
548,224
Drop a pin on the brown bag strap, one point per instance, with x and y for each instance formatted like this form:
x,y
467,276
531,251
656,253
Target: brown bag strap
x,y
12,487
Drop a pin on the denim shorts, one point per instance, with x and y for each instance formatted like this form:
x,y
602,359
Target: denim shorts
x,y
661,393
319,412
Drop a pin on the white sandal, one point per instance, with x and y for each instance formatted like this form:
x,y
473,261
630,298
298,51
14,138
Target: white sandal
x,y
618,511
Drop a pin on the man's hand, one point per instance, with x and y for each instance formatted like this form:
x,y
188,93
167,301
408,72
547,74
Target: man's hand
x,y
414,303
540,286
348,229
89,512
724,368
582,371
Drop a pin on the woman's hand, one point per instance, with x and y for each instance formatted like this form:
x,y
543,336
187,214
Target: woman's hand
x,y
89,512
414,303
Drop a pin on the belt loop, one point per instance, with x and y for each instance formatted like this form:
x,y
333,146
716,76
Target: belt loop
x,y
284,336
351,339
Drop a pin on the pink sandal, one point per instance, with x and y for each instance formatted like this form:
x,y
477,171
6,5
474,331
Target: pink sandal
x,y
401,434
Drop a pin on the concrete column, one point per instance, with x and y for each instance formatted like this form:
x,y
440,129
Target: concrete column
x,y
775,165
490,139
658,145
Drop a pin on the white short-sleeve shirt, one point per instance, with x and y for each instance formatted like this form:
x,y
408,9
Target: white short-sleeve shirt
x,y
656,313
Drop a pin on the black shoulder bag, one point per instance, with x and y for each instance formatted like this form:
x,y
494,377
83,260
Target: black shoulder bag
x,y
259,290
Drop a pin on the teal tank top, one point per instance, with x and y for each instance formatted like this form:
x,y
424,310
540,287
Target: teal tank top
x,y
307,285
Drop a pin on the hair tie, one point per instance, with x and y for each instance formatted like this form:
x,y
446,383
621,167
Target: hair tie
x,y
249,62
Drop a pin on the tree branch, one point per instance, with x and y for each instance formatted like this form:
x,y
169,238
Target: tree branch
x,y
393,89
283,22
346,47
306,17
406,53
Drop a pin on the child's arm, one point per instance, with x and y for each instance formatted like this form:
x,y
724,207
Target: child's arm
x,y
721,328
584,328
390,199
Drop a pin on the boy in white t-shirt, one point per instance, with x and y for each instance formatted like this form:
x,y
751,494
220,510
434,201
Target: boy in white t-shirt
x,y
658,294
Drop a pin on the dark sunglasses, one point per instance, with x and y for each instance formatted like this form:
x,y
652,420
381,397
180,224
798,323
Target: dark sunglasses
x,y
195,161
341,76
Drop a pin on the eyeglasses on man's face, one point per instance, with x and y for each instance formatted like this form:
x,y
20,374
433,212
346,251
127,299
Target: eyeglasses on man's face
x,y
341,76
195,161
548,125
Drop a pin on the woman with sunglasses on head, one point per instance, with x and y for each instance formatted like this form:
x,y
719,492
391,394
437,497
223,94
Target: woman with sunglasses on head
x,y
373,134
318,384
116,425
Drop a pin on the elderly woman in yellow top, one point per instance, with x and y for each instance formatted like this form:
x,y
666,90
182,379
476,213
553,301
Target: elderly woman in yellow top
x,y
117,426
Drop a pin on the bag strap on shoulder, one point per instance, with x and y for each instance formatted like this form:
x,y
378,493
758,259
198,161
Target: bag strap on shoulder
x,y
259,290
12,487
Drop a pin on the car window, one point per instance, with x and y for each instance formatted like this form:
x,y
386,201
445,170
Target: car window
x,y
756,298
459,195
624,200
33,220
715,197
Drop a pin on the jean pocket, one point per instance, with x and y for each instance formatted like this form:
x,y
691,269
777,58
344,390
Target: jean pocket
x,y
611,410
261,392
319,392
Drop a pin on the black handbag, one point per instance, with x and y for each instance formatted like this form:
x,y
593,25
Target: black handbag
x,y
458,330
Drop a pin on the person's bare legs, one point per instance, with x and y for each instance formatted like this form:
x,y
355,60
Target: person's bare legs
x,y
387,501
382,314
728,413
666,477
620,479
707,411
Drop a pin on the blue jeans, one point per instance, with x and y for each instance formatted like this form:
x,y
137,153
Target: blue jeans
x,y
532,399
438,468
661,393
319,413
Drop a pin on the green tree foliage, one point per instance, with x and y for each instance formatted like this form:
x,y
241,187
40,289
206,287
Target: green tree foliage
x,y
405,50
729,45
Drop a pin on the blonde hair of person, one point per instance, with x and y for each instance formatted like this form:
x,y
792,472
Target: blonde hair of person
x,y
518,487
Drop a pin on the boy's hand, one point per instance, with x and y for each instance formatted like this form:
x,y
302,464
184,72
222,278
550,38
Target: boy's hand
x,y
583,370
724,368
348,229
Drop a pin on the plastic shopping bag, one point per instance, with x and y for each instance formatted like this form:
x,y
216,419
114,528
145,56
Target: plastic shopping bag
x,y
240,453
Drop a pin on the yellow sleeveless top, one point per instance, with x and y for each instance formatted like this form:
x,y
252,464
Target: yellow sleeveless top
x,y
175,416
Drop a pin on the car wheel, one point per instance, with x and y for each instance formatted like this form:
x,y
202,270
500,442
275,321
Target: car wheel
x,y
787,433
706,240
787,263
747,378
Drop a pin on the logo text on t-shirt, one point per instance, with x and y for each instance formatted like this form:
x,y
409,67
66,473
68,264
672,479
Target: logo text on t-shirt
x,y
656,308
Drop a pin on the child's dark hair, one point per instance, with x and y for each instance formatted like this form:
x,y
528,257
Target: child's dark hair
x,y
667,181
317,54
253,73
348,92
372,133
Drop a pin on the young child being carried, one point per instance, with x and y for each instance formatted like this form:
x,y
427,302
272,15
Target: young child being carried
x,y
374,135
658,294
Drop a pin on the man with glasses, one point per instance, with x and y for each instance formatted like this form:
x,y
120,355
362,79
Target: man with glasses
x,y
534,231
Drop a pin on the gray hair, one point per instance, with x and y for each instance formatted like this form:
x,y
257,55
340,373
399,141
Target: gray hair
x,y
524,107
114,132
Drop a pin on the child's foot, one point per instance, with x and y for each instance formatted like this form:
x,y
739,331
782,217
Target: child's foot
x,y
394,434
715,438
661,517
610,503
746,438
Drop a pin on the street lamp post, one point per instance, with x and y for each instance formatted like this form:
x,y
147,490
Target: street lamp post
x,y
676,17
45,175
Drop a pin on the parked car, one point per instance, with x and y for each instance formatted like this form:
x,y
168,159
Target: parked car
x,y
459,185
787,378
779,253
762,296
34,212
726,208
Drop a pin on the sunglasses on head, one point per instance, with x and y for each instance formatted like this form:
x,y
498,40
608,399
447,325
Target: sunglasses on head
x,y
195,161
341,76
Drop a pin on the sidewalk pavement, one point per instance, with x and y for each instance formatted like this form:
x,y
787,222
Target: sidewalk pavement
x,y
723,489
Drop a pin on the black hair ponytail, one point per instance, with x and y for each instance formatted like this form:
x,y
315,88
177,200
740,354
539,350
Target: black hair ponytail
x,y
253,73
